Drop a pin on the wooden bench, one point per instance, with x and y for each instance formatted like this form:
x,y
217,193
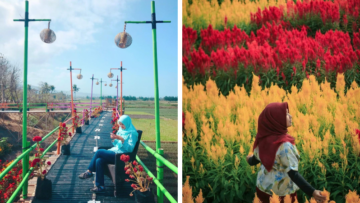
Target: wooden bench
x,y
116,171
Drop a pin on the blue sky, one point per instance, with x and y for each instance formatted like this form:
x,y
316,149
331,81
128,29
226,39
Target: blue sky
x,y
85,31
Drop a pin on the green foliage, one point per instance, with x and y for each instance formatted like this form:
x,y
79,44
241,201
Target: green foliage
x,y
5,147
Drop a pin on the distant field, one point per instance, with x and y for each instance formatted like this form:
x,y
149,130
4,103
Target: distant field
x,y
168,129
167,109
165,113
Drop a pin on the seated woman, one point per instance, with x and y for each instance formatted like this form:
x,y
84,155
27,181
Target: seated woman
x,y
124,142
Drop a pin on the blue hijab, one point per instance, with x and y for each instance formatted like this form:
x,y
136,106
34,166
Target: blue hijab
x,y
129,127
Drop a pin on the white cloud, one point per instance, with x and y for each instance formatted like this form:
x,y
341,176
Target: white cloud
x,y
74,22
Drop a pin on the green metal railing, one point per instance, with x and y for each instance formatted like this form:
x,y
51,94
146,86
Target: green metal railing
x,y
26,153
158,181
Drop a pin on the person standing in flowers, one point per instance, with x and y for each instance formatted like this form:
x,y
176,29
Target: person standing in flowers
x,y
124,142
279,158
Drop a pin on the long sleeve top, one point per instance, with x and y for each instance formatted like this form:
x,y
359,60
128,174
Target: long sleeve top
x,y
126,147
291,171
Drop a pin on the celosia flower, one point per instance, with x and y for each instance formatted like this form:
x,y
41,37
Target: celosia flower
x,y
141,168
133,186
128,172
131,176
34,162
48,163
37,139
135,163
44,172
124,158
41,149
127,180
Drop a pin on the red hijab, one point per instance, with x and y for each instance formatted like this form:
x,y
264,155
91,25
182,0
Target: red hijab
x,y
272,132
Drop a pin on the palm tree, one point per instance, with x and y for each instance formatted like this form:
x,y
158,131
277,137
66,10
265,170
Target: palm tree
x,y
52,88
75,89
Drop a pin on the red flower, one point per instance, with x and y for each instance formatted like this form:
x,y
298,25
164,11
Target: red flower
x,y
70,135
41,149
135,163
37,139
141,168
149,178
135,170
131,176
133,186
127,180
124,158
63,125
34,162
113,109
128,172
44,172
48,163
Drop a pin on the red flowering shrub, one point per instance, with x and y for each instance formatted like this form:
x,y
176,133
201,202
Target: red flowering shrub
x,y
63,134
10,182
136,174
277,55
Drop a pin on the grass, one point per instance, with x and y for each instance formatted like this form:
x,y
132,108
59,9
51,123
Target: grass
x,y
166,113
168,129
136,113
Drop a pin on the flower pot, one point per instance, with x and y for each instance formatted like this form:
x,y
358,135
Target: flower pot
x,y
142,197
43,189
87,122
65,149
78,130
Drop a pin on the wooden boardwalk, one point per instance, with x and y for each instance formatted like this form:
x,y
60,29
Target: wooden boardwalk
x,y
67,187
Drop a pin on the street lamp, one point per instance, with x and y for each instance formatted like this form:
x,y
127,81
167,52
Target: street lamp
x,y
47,39
110,74
92,82
160,169
72,101
117,93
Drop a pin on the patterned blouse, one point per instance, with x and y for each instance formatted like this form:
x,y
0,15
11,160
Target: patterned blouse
x,y
286,159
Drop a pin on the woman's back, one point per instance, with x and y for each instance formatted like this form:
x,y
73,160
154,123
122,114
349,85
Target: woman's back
x,y
278,180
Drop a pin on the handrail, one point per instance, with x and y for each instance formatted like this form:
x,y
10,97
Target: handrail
x,y
156,181
11,199
160,158
24,153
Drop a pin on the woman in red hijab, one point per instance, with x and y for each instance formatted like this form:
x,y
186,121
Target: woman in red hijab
x,y
279,158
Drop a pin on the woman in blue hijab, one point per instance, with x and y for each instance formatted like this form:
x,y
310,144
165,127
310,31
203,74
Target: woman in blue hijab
x,y
124,142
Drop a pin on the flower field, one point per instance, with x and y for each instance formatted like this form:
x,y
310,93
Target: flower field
x,y
219,133
283,43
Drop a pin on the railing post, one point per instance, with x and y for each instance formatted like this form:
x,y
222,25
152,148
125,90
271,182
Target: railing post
x,y
160,176
58,143
26,167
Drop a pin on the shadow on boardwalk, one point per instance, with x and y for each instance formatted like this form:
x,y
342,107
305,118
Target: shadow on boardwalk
x,y
67,187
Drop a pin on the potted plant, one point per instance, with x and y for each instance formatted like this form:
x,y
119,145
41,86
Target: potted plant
x,y
43,189
76,122
63,136
141,181
86,118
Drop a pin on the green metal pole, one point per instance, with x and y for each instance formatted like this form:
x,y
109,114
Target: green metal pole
x,y
160,176
160,169
101,92
25,161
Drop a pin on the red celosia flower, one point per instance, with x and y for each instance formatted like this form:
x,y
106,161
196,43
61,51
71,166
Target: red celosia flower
x,y
124,158
70,135
133,186
141,168
48,163
44,172
34,162
149,178
63,125
131,176
37,139
135,170
135,163
127,180
128,172
41,149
